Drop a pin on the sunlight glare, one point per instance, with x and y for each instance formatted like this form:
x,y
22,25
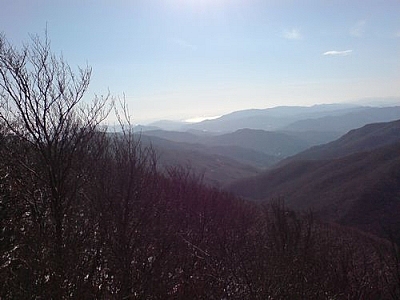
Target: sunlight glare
x,y
199,4
200,119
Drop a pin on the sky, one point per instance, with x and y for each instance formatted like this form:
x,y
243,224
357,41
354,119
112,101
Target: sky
x,y
185,59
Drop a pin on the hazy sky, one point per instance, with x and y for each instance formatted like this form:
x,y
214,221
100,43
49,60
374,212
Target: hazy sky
x,y
179,59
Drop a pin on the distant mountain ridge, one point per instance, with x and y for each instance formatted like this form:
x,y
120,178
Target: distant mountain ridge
x,y
226,157
246,150
338,118
271,119
353,180
273,143
348,121
368,137
257,148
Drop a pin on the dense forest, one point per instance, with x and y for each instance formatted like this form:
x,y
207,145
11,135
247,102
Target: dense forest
x,y
86,214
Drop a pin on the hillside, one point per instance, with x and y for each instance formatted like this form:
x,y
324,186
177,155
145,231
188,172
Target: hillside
x,y
272,143
217,165
269,142
366,138
128,222
362,189
224,158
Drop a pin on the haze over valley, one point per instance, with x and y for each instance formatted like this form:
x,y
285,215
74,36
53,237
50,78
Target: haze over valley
x,y
258,138
332,159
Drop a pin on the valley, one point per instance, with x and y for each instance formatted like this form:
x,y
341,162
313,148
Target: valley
x,y
313,164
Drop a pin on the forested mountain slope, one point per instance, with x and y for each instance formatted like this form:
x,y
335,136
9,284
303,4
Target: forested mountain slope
x,y
217,166
366,138
279,144
362,189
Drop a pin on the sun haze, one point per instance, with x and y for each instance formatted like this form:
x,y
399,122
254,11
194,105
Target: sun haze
x,y
180,59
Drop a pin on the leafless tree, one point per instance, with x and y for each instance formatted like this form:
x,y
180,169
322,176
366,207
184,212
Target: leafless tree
x,y
42,106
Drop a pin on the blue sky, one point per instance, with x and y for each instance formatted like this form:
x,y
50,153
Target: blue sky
x,y
179,59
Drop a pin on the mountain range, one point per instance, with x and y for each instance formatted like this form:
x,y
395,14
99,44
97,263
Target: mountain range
x,y
338,118
354,180
226,157
249,150
340,161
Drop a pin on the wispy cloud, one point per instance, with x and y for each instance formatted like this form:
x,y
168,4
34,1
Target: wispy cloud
x,y
358,29
338,53
398,34
292,34
184,44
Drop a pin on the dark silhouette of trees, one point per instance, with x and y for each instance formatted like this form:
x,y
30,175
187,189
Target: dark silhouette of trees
x,y
41,108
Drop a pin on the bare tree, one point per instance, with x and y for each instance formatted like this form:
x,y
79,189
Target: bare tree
x,y
41,105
